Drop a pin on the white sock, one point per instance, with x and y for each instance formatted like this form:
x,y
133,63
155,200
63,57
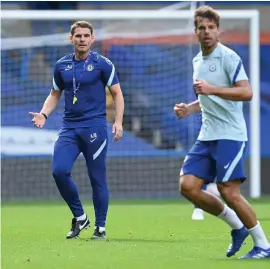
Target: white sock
x,y
212,188
100,229
230,217
259,237
82,217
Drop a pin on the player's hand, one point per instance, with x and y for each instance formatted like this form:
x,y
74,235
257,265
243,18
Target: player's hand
x,y
181,110
117,130
202,87
38,119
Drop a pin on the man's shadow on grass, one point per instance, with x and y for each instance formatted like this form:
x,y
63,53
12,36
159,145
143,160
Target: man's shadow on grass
x,y
141,240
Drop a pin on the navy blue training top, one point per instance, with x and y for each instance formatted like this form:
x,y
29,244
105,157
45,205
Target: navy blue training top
x,y
90,106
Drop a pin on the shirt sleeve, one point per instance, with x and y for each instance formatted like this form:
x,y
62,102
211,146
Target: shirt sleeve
x,y
109,75
234,68
57,79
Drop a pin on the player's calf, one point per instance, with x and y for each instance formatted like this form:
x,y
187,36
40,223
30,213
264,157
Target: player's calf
x,y
198,214
77,226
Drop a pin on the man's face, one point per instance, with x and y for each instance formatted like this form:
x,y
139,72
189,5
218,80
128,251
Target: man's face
x,y
82,39
207,32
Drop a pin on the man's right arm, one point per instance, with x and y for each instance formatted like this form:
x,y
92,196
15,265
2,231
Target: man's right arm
x,y
194,107
184,110
57,88
51,102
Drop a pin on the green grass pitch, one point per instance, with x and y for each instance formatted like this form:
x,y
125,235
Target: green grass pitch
x,y
141,234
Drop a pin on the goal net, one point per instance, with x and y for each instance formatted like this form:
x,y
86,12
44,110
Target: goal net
x,y
152,52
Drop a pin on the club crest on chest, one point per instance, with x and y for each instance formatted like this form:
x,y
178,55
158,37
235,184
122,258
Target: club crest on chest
x,y
212,68
90,67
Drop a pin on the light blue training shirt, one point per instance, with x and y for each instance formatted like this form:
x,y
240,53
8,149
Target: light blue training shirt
x,y
221,119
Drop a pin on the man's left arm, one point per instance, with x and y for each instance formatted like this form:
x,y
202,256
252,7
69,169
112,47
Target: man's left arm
x,y
118,99
240,89
112,82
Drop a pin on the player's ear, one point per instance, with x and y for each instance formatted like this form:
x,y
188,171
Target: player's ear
x,y
93,38
195,31
70,39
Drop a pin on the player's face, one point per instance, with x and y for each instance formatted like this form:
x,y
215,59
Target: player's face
x,y
207,32
82,40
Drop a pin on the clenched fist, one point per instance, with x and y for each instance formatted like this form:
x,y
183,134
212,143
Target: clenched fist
x,y
203,87
181,110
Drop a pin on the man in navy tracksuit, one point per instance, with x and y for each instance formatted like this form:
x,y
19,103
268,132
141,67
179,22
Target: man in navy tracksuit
x,y
83,76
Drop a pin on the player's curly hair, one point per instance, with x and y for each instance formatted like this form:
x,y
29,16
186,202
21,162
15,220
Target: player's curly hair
x,y
82,24
206,12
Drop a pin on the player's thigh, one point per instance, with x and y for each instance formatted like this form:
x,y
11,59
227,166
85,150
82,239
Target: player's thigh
x,y
94,143
199,162
230,190
230,160
66,151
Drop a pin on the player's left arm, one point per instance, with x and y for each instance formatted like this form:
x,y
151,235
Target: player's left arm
x,y
240,90
118,99
111,80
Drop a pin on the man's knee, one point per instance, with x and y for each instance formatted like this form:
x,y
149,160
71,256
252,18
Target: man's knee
x,y
60,172
189,185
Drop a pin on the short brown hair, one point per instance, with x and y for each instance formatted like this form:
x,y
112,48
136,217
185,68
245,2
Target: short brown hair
x,y
206,12
82,24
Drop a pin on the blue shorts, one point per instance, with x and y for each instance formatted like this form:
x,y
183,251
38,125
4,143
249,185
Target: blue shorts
x,y
218,160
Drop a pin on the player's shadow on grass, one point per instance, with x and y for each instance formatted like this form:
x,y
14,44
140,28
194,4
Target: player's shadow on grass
x,y
145,240
264,219
136,240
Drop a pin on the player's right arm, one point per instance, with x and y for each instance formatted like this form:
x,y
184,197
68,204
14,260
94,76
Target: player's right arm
x,y
51,101
184,110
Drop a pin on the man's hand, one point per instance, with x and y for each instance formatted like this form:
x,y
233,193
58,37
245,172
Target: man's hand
x,y
181,110
202,87
38,120
117,130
